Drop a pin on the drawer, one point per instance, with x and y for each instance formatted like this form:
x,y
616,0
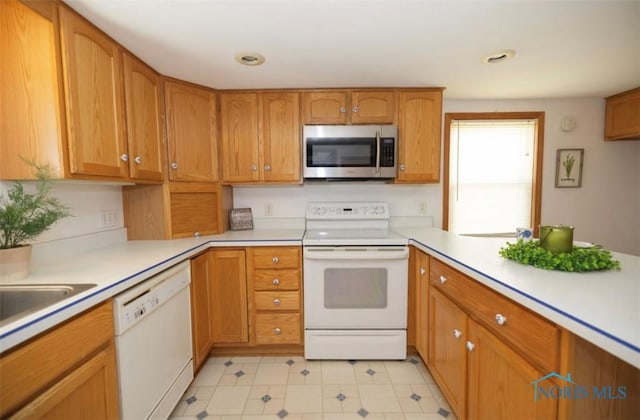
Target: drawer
x,y
277,280
277,301
276,257
534,336
278,328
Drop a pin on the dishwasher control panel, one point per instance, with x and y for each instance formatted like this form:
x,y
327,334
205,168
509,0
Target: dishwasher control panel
x,y
140,301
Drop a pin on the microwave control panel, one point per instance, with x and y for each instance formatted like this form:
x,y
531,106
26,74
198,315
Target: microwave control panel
x,y
387,152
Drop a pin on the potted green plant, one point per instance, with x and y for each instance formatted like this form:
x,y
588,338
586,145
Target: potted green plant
x,y
23,217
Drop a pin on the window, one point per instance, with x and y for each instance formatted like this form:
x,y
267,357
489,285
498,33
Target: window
x,y
492,172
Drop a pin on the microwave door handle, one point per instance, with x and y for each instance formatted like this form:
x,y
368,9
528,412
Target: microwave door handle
x,y
377,151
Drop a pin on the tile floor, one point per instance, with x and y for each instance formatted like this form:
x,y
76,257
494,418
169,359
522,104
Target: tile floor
x,y
292,388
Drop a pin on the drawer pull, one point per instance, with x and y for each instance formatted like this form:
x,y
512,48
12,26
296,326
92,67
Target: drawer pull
x,y
275,260
275,282
501,319
443,279
277,331
276,302
457,333
422,271
470,346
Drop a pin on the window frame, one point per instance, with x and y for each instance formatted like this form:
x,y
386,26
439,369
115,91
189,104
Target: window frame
x,y
538,148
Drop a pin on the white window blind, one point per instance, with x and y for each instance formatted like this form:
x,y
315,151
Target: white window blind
x,y
490,175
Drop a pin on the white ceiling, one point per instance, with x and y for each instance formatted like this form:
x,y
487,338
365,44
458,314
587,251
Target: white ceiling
x,y
563,48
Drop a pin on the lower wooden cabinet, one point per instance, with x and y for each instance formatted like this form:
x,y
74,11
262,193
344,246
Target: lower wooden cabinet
x,y
201,308
420,272
229,296
447,352
68,372
500,380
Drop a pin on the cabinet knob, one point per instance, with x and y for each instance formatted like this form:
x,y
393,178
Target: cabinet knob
x,y
343,109
196,234
267,168
276,282
457,333
501,319
174,165
276,302
124,157
277,331
275,260
470,346
356,109
443,279
422,271
402,167
138,160
254,168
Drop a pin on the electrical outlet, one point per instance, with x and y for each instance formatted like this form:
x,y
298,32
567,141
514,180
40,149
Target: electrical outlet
x,y
422,208
108,219
268,209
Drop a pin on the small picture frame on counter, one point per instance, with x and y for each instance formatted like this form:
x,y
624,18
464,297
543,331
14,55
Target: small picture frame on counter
x,y
569,168
241,219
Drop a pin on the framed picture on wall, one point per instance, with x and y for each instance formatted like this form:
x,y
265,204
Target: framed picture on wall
x,y
569,168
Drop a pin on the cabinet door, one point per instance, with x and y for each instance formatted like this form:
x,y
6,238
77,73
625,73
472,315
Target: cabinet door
x,y
191,132
421,273
419,126
90,390
201,295
31,124
144,120
447,352
500,381
239,128
622,119
372,107
229,297
280,137
194,209
325,107
92,67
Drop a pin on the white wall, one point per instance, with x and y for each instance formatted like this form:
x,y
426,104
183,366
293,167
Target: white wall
x,y
85,200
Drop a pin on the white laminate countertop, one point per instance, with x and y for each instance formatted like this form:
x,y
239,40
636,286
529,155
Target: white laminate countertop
x,y
115,268
601,307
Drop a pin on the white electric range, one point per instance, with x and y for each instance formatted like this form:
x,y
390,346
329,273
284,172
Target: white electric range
x,y
355,282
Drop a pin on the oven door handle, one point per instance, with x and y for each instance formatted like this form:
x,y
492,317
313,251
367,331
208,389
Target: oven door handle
x,y
356,253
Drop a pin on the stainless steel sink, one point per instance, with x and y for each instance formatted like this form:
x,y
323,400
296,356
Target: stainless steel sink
x,y
17,301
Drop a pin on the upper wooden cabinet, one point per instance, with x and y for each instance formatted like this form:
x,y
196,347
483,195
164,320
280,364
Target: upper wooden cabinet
x,y
622,121
355,107
419,133
32,111
260,137
191,132
145,120
92,67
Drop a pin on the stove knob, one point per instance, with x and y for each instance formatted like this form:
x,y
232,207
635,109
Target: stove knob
x,y
363,210
379,210
322,210
371,210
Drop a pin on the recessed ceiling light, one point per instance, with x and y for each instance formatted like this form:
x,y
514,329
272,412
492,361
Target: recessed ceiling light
x,y
250,59
499,56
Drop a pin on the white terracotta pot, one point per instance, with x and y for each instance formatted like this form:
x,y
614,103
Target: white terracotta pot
x,y
15,263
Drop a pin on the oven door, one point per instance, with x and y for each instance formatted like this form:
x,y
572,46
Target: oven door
x,y
353,287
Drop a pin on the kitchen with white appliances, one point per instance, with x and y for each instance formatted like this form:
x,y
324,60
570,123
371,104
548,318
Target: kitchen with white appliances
x,y
376,311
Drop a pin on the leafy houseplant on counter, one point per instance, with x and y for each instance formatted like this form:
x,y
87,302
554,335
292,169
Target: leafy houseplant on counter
x,y
577,260
24,216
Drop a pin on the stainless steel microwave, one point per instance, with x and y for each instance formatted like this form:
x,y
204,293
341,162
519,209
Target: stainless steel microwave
x,y
350,152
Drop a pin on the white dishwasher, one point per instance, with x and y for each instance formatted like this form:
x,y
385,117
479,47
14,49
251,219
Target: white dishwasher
x,y
153,344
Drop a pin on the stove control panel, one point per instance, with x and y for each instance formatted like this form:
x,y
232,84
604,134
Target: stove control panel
x,y
348,210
